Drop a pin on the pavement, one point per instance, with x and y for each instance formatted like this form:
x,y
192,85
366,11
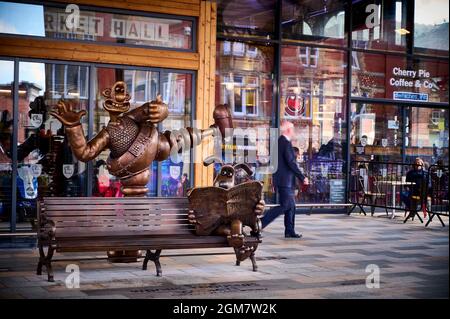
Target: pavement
x,y
338,257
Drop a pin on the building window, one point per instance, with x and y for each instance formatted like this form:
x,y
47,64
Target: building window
x,y
320,22
246,18
97,26
381,25
244,82
427,134
6,142
315,103
73,81
308,56
431,27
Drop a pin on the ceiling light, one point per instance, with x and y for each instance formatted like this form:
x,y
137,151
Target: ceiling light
x,y
402,31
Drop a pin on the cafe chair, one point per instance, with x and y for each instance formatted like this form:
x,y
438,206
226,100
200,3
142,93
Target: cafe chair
x,y
371,195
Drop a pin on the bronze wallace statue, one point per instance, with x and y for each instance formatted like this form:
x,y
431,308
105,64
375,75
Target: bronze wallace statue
x,y
133,140
132,136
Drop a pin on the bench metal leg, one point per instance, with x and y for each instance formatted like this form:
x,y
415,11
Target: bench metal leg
x,y
153,256
45,260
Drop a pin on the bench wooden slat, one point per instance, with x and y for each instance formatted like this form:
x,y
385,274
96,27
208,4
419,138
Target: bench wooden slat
x,y
120,219
116,207
118,213
114,200
112,233
146,243
130,223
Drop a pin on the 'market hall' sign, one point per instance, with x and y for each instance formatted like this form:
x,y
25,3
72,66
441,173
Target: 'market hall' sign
x,y
109,27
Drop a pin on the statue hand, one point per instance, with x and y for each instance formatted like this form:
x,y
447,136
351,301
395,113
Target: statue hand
x,y
192,217
259,208
158,111
65,114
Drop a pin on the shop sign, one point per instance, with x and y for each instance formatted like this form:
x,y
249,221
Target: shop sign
x,y
407,96
337,191
384,142
114,28
411,78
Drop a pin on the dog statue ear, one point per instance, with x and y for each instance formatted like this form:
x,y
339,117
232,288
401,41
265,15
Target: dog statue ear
x,y
212,159
245,167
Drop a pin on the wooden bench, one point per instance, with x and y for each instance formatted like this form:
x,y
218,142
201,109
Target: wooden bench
x,y
94,224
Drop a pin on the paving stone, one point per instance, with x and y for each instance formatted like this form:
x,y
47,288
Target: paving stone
x,y
328,262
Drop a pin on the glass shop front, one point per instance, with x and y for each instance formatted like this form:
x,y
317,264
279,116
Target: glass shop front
x,y
345,73
359,80
35,158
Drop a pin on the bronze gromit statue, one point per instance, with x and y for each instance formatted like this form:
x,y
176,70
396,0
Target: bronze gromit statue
x,y
234,206
132,136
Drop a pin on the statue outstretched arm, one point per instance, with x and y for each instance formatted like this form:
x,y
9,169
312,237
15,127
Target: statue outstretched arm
x,y
83,151
190,137
86,151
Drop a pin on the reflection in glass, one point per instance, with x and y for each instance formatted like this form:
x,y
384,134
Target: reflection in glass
x,y
53,22
143,87
381,24
431,27
46,166
244,82
314,21
176,176
6,131
426,134
376,132
246,18
385,76
313,99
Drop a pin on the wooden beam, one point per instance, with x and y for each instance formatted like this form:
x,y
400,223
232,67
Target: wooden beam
x,y
97,53
176,7
206,86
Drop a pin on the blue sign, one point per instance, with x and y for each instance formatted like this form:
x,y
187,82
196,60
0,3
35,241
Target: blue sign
x,y
408,96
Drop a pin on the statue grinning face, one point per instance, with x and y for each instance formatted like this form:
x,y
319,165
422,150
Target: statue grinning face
x,y
117,98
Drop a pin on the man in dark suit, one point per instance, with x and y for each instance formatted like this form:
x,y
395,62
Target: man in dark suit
x,y
284,182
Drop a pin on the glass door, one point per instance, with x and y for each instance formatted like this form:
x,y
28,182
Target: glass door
x,y
426,134
376,132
